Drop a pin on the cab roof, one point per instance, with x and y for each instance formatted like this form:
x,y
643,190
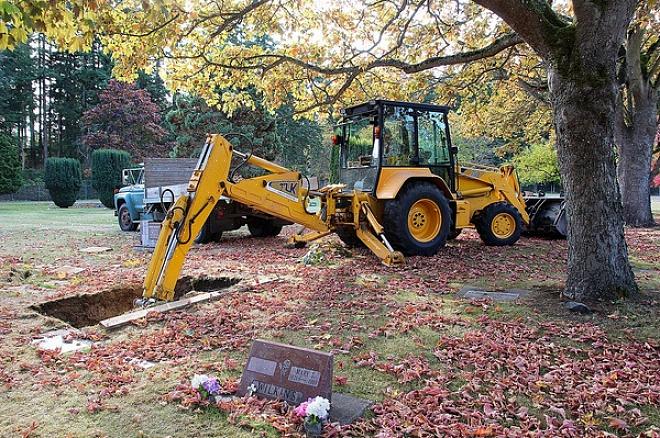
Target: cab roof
x,y
372,106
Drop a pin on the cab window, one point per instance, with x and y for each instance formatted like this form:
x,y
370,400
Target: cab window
x,y
399,137
433,150
359,144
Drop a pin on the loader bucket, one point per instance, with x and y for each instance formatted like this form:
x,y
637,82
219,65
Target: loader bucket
x,y
547,216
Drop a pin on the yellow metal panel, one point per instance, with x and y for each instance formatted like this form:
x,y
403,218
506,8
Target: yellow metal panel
x,y
463,214
393,178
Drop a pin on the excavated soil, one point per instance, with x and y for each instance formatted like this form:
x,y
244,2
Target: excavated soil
x,y
90,309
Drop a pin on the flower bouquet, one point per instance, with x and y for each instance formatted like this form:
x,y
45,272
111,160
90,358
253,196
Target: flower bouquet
x,y
208,387
315,413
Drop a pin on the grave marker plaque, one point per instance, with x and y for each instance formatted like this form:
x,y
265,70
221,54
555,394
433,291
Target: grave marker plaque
x,y
288,373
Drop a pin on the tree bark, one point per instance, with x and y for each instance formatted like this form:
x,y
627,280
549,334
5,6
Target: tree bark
x,y
635,148
581,55
635,135
597,255
584,90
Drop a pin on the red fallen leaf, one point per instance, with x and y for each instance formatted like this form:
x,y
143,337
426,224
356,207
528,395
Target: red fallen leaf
x,y
484,431
618,424
93,407
31,428
231,364
341,380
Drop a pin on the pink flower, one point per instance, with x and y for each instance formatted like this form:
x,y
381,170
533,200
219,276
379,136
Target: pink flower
x,y
301,410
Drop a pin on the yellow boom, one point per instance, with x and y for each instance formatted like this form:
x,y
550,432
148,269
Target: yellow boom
x,y
280,193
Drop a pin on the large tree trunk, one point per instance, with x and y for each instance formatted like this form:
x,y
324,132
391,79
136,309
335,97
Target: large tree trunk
x,y
581,55
635,135
583,89
635,149
597,255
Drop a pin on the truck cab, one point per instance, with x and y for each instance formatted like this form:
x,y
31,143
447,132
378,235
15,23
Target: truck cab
x,y
129,200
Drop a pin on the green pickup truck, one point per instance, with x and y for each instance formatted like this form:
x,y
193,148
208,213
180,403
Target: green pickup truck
x,y
149,191
129,200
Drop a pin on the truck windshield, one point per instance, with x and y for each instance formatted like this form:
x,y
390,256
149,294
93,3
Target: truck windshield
x,y
359,155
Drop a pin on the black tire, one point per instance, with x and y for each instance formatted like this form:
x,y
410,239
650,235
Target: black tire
x,y
396,219
124,219
263,227
205,236
348,236
454,233
484,224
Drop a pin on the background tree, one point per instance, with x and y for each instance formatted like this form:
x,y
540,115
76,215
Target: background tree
x,y
75,82
127,119
63,180
302,145
107,166
637,121
275,135
10,166
192,119
538,164
17,71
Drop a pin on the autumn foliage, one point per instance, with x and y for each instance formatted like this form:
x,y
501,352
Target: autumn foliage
x,y
126,119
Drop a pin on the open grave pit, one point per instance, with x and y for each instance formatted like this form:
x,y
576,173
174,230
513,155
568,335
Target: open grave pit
x,y
89,309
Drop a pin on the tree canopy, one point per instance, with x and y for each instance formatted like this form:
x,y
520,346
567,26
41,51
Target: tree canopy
x,y
126,119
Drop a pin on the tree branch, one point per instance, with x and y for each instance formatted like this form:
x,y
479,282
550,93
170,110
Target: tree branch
x,y
534,20
488,51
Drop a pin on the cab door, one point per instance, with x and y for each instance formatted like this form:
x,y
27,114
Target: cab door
x,y
433,145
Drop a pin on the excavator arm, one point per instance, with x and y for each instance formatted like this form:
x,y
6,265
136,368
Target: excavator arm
x,y
279,193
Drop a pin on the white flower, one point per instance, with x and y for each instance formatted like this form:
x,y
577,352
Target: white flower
x,y
319,407
251,389
198,380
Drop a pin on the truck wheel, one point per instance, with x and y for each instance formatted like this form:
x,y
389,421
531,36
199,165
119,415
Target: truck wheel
x,y
263,227
124,218
205,236
499,224
418,221
348,236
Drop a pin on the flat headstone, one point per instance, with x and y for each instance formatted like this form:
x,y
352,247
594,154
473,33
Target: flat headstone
x,y
345,408
284,372
96,249
477,293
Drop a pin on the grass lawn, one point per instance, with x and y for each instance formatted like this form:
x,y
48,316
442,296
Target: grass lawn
x,y
432,363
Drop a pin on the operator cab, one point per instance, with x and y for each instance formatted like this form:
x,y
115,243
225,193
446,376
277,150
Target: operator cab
x,y
381,134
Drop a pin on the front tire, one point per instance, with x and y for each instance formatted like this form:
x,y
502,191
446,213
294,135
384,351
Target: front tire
x,y
124,219
499,224
418,221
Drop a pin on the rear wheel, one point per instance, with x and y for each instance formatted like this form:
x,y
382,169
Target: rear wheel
x,y
418,221
263,227
206,236
499,224
124,218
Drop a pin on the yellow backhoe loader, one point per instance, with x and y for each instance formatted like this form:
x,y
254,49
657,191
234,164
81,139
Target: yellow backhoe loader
x,y
399,192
